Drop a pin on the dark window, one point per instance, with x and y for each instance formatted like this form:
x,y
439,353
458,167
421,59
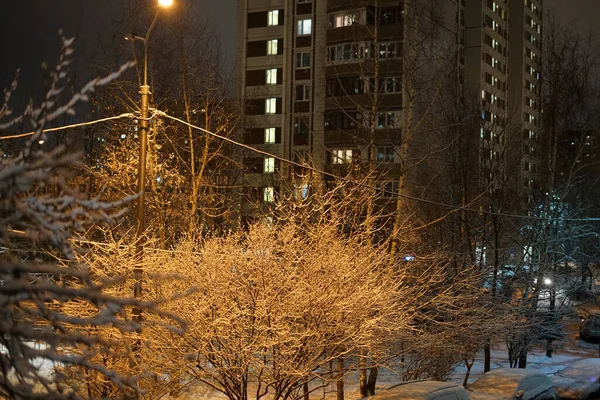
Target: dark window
x,y
387,15
302,92
343,120
385,154
256,49
281,17
254,136
254,165
255,78
257,19
303,60
255,107
345,86
301,126
252,194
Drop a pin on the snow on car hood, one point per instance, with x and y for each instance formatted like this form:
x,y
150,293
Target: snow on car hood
x,y
475,395
573,388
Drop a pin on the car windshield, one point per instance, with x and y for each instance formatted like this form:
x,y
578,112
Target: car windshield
x,y
496,384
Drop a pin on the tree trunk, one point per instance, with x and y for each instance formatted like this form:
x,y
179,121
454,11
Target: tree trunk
x,y
305,391
487,357
552,310
523,359
362,370
340,379
373,372
469,365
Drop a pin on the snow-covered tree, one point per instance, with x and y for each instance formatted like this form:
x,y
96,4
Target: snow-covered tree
x,y
50,308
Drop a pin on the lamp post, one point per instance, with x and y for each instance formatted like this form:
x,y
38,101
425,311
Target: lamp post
x,y
141,185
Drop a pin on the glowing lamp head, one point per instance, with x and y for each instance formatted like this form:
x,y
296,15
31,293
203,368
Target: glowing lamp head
x,y
165,3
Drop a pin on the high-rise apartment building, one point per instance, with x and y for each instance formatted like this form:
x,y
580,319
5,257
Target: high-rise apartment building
x,y
323,80
503,51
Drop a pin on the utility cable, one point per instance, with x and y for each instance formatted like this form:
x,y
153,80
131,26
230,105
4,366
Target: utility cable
x,y
60,128
351,181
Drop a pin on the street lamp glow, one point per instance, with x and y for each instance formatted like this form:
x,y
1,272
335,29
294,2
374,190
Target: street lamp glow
x,y
165,3
547,281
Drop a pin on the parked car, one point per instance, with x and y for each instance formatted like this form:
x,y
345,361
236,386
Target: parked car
x,y
513,383
580,380
423,390
589,328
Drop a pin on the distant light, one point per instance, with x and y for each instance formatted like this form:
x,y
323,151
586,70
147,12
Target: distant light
x,y
547,281
123,136
165,3
41,141
409,258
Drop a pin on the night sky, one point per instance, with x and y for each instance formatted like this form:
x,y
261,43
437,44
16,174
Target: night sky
x,y
29,30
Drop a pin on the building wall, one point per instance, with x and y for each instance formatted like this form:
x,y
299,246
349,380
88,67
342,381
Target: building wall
x,y
323,105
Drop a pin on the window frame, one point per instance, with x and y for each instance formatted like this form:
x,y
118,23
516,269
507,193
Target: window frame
x,y
271,105
272,47
304,91
300,59
268,194
271,76
270,136
268,165
341,156
272,17
304,27
385,154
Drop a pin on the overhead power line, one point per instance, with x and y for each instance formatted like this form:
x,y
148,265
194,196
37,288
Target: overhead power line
x,y
351,181
304,166
80,124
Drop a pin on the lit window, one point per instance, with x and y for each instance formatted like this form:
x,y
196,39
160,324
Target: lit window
x,y
273,18
341,156
269,165
272,46
305,27
268,194
301,192
271,77
303,60
269,135
270,106
345,18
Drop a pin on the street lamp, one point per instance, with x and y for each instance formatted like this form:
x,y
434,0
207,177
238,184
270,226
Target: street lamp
x,y
141,187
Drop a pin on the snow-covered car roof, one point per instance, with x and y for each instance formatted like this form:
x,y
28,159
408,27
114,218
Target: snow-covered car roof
x,y
503,382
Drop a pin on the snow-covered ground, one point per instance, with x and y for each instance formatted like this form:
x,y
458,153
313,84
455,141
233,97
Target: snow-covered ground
x,y
566,351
